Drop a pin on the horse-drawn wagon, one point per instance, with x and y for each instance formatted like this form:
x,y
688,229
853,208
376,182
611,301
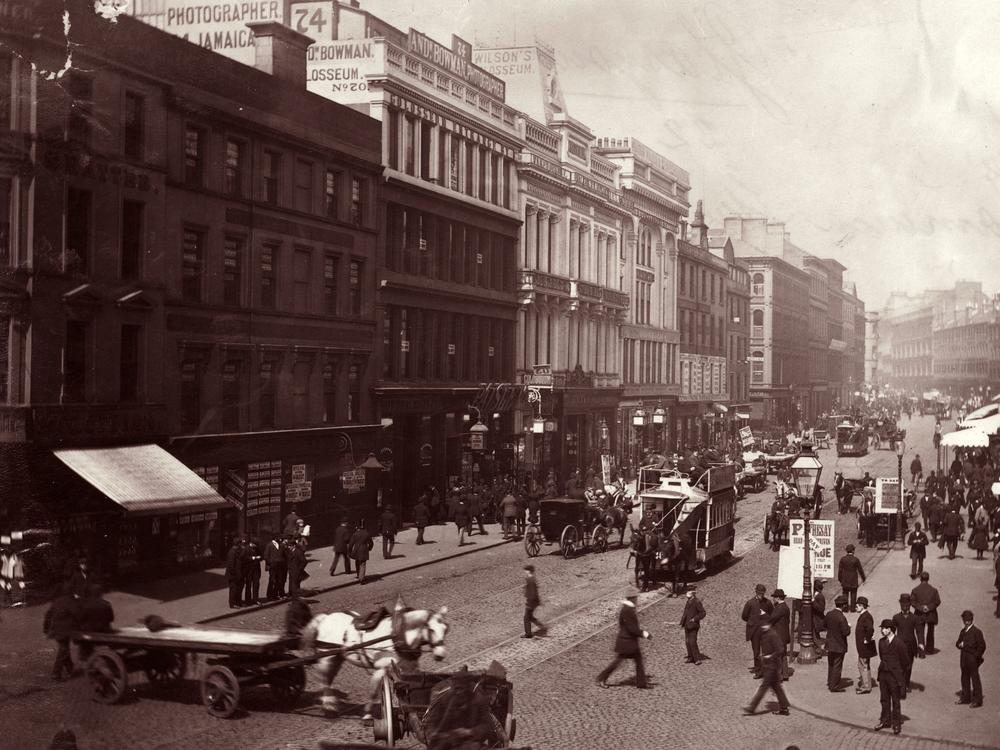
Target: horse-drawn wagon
x,y
685,525
574,524
445,709
234,659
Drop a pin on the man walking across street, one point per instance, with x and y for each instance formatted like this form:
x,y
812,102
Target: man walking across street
x,y
341,546
756,612
918,550
277,568
864,640
848,572
531,603
772,654
837,631
389,526
916,471
694,613
971,646
360,545
627,642
892,657
906,633
926,600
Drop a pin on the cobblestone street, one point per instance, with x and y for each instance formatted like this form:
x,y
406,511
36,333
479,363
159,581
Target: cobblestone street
x,y
557,703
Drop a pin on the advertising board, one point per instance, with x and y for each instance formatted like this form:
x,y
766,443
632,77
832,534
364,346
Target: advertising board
x,y
887,495
820,544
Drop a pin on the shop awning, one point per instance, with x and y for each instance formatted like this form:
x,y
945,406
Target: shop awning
x,y
742,415
720,408
142,479
970,438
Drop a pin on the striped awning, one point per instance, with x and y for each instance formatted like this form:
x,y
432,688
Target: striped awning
x,y
143,479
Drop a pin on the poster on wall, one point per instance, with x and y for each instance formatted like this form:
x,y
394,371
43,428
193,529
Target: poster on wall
x,y
353,480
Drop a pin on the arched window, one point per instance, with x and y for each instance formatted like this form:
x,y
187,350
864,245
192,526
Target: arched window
x,y
758,284
758,317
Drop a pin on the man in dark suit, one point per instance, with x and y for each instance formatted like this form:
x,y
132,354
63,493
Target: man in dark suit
x,y
837,631
906,632
234,573
864,640
296,557
772,655
694,613
926,600
892,657
276,565
781,620
60,623
627,642
421,517
848,571
531,603
971,646
341,542
388,525
818,612
952,528
756,612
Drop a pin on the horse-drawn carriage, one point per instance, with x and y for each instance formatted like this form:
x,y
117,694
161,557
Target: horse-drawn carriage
x,y
685,525
574,524
446,709
887,433
821,438
753,478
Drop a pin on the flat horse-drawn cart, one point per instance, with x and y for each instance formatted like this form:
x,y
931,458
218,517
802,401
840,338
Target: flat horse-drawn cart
x,y
445,709
234,659
574,524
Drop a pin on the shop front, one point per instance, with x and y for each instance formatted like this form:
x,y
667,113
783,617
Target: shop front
x,y
319,473
587,419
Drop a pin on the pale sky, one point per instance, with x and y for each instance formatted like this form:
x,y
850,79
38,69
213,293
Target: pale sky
x,y
869,127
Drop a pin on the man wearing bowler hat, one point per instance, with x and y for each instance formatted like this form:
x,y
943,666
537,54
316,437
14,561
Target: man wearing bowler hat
x,y
837,631
864,640
756,612
781,623
627,642
891,678
848,571
971,646
926,600
772,654
906,632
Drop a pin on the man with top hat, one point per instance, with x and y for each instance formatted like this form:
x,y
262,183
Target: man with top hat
x,y
918,550
694,613
925,600
906,633
756,612
837,631
848,571
891,677
864,640
971,646
781,621
772,655
627,642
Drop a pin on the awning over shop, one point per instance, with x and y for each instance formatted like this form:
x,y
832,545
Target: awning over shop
x,y
142,479
720,408
742,415
970,438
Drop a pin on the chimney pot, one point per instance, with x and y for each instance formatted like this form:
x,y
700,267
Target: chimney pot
x,y
280,51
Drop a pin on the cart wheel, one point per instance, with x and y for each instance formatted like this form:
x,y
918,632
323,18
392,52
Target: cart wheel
x,y
164,667
384,725
569,542
287,684
600,539
532,541
107,674
220,692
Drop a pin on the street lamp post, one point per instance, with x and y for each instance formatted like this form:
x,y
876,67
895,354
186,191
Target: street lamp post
x,y
806,472
660,418
900,449
638,421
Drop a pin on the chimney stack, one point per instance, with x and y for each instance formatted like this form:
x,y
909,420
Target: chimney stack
x,y
280,51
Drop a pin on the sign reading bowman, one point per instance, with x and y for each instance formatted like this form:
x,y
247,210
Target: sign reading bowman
x,y
457,61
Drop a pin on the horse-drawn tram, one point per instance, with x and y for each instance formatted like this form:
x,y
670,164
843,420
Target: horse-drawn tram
x,y
685,524
234,659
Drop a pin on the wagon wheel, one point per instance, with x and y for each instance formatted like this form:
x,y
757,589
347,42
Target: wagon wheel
x,y
107,674
287,684
164,667
532,541
569,542
600,539
220,692
384,724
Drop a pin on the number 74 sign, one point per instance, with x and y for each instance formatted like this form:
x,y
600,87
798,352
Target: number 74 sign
x,y
314,19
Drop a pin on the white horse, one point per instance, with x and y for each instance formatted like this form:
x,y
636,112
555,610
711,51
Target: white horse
x,y
400,636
